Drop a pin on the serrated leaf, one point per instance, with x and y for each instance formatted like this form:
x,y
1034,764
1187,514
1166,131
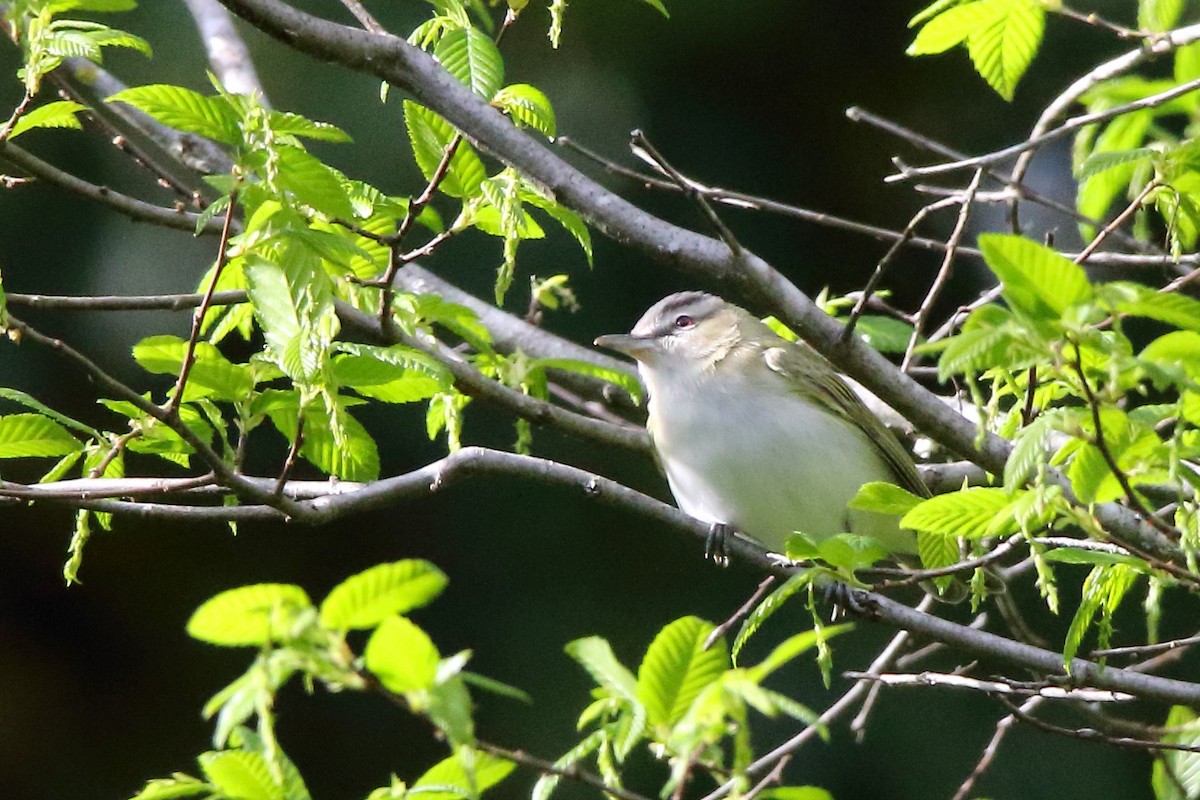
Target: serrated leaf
x,y
249,615
311,182
596,656
793,646
763,611
368,598
1029,450
429,135
470,55
292,124
950,27
1173,309
571,222
622,379
881,497
1123,134
336,443
468,774
937,550
1101,162
968,513
529,106
676,668
402,656
34,436
1037,281
185,110
211,375
241,775
394,374
1003,47
176,787
60,114
1176,770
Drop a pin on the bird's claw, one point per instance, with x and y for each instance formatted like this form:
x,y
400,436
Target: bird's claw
x,y
848,601
714,544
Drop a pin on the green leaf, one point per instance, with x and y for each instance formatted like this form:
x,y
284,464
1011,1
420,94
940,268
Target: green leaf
x,y
763,611
596,656
950,27
174,788
467,774
334,442
881,497
937,550
185,110
968,513
395,374
1037,281
1169,307
794,646
1176,769
402,656
212,375
1097,193
1158,16
470,55
885,334
241,775
528,106
311,182
796,793
624,380
1102,162
1175,349
290,124
1075,555
60,114
249,615
293,303
429,135
571,222
1003,48
1029,450
658,6
34,436
368,598
677,667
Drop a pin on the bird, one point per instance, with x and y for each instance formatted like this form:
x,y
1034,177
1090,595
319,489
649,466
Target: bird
x,y
757,433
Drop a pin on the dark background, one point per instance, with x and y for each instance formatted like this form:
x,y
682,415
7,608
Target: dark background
x,y
100,688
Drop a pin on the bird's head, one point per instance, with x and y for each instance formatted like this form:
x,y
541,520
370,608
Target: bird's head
x,y
684,332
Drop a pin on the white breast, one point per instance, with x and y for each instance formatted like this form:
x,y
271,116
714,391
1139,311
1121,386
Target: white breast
x,y
766,463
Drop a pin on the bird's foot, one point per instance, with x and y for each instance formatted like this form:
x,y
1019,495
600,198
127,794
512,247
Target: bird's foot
x,y
848,601
715,544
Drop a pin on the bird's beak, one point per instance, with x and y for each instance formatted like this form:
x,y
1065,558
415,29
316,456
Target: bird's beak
x,y
626,343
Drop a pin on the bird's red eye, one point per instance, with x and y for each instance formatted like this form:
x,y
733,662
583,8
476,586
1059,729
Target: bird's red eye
x,y
684,321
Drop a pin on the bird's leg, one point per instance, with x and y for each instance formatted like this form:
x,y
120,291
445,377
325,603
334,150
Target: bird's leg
x,y
714,544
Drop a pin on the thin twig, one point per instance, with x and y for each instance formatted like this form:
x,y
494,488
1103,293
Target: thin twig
x,y
868,291
993,745
742,612
1071,125
1101,443
944,271
645,150
993,687
1116,223
1146,649
171,407
1093,735
573,772
137,210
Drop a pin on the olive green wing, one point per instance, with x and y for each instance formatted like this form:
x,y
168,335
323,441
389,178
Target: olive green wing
x,y
816,379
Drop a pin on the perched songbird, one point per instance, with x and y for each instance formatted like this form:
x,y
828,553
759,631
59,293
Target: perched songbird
x,y
758,433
